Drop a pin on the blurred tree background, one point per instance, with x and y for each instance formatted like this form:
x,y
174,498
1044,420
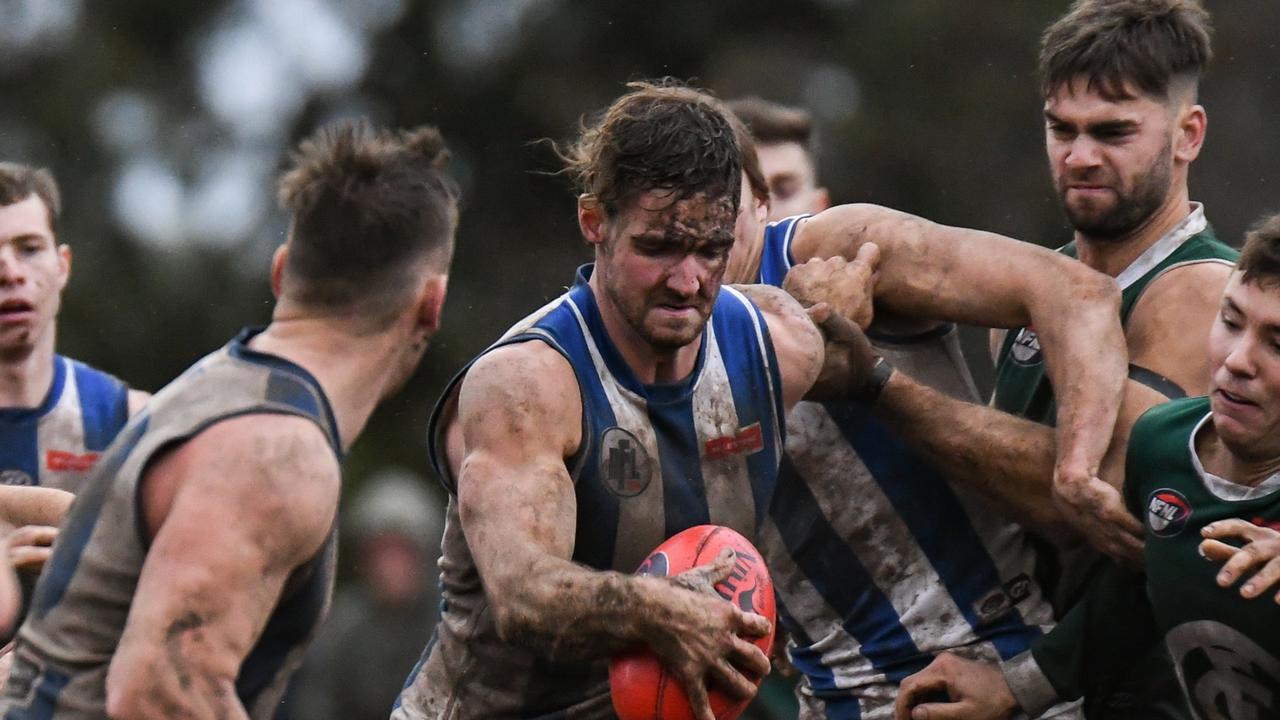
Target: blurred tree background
x,y
166,123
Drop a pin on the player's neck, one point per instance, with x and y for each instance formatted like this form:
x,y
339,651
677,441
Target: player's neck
x,y
354,379
1219,460
650,366
25,378
1111,256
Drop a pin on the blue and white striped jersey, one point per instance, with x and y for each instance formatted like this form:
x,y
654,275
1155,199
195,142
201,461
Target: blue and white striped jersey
x,y
57,444
654,460
878,562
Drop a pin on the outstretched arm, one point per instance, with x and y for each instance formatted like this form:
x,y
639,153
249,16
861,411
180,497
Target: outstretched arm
x,y
233,512
518,512
975,277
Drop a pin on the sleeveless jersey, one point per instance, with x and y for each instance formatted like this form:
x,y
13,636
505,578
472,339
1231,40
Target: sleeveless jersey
x,y
1021,385
56,444
1225,649
84,594
654,460
871,590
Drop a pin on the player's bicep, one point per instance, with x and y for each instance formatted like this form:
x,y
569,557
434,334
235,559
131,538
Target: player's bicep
x,y
520,414
928,270
797,342
234,525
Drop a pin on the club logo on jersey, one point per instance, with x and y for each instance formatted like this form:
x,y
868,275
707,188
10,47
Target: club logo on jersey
x,y
746,441
63,461
1026,347
624,463
15,477
1225,673
997,603
656,565
1167,512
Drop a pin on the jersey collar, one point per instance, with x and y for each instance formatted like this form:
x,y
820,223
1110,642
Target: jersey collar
x,y
1191,225
1222,488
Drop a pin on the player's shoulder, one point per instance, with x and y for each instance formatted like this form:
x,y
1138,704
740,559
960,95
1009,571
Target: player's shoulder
x,y
771,300
272,449
267,470
1190,286
531,363
531,379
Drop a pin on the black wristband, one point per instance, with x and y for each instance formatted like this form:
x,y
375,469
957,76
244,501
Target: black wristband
x,y
876,380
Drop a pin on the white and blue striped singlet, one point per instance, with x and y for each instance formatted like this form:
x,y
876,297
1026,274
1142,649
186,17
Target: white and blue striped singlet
x,y
57,444
654,460
879,563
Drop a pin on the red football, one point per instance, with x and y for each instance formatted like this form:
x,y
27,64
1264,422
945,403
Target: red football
x,y
640,686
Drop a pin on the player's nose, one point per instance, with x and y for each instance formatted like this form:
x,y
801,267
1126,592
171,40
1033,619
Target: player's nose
x,y
10,269
687,277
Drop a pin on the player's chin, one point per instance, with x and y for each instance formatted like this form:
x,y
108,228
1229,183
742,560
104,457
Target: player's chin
x,y
673,336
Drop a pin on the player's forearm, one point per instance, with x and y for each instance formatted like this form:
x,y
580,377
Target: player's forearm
x,y
1006,459
567,612
1086,360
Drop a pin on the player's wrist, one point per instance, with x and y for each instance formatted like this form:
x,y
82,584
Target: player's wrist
x,y
874,382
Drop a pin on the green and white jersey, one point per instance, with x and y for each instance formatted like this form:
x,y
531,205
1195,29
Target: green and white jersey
x,y
1022,387
1225,649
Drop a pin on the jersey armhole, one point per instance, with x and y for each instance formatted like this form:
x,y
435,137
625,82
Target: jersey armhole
x,y
437,450
1143,291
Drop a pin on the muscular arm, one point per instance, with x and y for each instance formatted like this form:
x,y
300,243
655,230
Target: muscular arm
x,y
797,342
518,511
975,277
233,512
1006,459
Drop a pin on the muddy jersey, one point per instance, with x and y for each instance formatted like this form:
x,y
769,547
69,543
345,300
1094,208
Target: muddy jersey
x,y
56,444
878,562
654,460
1225,649
83,597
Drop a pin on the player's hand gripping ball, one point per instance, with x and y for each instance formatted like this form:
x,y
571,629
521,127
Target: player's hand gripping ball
x,y
641,688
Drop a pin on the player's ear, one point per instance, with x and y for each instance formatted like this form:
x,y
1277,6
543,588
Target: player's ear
x,y
1190,132
431,303
64,265
591,219
278,260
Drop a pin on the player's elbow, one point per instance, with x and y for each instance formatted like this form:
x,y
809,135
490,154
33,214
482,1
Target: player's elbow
x,y
1092,287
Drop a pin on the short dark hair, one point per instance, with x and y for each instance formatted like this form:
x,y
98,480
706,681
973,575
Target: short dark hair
x,y
367,207
662,135
19,182
1260,258
1121,44
750,159
771,122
